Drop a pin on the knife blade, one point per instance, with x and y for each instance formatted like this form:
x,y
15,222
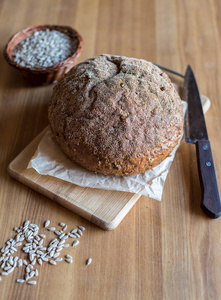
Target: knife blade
x,y
196,133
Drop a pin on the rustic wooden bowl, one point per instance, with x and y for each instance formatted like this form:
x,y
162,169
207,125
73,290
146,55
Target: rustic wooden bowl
x,y
44,75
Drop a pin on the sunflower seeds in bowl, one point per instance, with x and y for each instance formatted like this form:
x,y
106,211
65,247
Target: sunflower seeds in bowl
x,y
44,53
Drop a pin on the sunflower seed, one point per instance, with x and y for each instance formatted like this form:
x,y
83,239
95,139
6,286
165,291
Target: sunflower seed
x,y
40,242
52,253
81,227
11,270
32,274
50,248
27,276
4,273
20,280
59,248
31,256
6,251
74,230
11,260
37,238
88,262
47,223
75,243
36,272
33,282
80,232
20,238
53,241
52,262
20,262
65,227
39,261
66,245
68,256
25,229
59,259
51,228
68,260
61,236
62,224
61,242
33,262
42,235
73,235
25,262
26,223
44,258
18,244
56,255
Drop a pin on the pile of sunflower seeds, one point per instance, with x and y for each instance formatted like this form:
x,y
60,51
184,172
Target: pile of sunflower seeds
x,y
44,49
32,243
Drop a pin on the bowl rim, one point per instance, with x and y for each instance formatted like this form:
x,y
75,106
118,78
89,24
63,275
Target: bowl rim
x,y
32,30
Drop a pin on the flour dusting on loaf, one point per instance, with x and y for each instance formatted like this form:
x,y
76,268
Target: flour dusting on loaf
x,y
116,115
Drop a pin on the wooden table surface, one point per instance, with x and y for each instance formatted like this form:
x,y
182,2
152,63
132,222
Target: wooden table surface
x,y
161,250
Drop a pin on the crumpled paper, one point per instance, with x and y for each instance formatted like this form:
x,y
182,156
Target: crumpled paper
x,y
50,160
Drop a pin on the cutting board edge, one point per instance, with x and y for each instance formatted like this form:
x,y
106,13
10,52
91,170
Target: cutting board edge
x,y
118,218
47,193
110,225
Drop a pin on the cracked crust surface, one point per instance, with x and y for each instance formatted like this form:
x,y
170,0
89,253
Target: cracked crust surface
x,y
116,115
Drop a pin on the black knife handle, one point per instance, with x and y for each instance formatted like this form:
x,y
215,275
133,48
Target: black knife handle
x,y
210,192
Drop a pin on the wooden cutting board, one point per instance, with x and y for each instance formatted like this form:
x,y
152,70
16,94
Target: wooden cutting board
x,y
104,208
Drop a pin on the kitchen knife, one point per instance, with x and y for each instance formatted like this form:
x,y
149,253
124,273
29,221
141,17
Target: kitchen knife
x,y
196,133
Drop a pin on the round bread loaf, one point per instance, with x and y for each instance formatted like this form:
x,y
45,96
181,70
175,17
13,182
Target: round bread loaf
x,y
116,115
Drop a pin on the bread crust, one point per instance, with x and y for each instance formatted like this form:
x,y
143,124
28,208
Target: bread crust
x,y
116,115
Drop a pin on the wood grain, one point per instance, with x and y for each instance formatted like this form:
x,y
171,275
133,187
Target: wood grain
x,y
162,250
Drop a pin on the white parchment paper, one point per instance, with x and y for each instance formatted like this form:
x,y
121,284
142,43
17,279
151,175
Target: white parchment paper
x,y
50,160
